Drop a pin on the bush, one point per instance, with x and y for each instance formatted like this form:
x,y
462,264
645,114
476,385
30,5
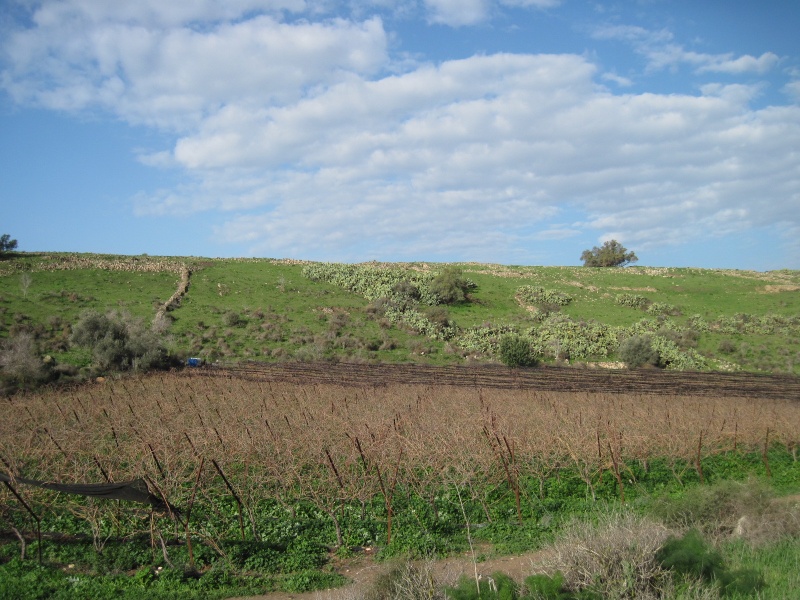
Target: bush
x,y
408,582
610,254
20,362
613,559
450,286
118,342
691,556
516,351
637,351
233,319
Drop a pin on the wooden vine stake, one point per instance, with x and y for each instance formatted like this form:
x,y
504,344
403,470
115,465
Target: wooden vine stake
x,y
764,456
697,463
189,514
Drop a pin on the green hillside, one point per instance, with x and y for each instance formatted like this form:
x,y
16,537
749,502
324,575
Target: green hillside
x,y
268,310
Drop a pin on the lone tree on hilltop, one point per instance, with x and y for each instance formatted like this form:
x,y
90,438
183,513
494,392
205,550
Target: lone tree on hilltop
x,y
7,244
610,254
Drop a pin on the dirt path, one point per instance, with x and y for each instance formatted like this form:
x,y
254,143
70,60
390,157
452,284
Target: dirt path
x,y
363,571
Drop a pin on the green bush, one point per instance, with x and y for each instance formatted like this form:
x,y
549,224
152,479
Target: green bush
x,y
450,286
637,351
119,342
690,556
531,294
516,351
632,300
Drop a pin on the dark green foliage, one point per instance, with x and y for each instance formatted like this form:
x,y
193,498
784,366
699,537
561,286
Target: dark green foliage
x,y
450,286
516,351
7,244
638,351
119,342
610,254
691,556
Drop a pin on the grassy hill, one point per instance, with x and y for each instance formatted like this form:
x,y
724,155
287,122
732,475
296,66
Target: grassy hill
x,y
268,310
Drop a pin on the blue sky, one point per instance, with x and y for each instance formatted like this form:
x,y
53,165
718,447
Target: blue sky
x,y
509,131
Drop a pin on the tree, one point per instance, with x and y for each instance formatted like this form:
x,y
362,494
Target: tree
x,y
610,254
7,244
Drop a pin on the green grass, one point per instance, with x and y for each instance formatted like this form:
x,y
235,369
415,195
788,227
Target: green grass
x,y
262,309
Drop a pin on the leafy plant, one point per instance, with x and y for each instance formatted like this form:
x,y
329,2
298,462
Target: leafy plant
x,y
637,351
515,351
691,556
450,286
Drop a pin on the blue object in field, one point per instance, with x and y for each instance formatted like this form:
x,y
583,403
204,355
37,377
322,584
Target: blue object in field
x,y
194,362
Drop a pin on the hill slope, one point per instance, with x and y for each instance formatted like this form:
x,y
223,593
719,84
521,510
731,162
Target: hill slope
x,y
267,310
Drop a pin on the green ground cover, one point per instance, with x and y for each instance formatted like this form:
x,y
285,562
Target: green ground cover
x,y
263,309
296,539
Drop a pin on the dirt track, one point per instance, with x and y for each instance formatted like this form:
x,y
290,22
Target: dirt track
x,y
363,571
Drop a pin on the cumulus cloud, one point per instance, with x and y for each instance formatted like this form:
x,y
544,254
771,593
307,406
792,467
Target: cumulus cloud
x,y
304,138
176,77
467,153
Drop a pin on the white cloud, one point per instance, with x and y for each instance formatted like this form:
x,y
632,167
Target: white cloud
x,y
457,12
297,136
672,56
176,77
792,89
661,53
469,152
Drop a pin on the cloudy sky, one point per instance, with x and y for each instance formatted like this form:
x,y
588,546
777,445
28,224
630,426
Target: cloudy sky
x,y
510,131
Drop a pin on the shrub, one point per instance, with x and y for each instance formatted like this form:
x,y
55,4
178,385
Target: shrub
x,y
20,362
745,509
610,254
637,351
438,315
232,319
407,582
119,342
531,294
613,559
450,286
516,351
632,300
691,556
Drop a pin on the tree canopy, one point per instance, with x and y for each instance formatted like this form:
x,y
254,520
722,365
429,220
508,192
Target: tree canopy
x,y
7,244
610,254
